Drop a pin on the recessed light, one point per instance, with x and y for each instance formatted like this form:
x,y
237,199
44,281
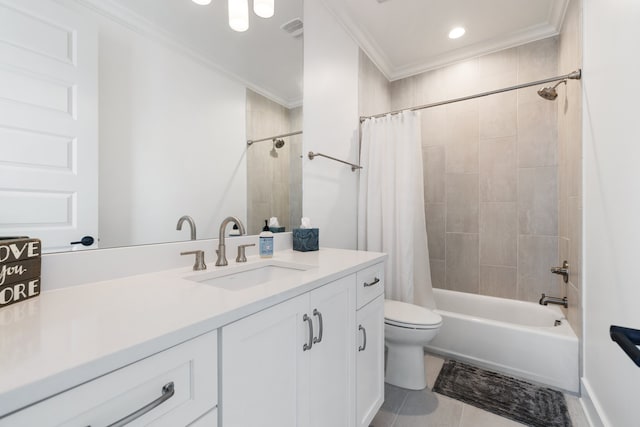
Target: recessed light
x,y
457,32
202,2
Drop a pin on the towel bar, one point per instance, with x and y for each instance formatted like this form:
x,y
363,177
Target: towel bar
x,y
628,339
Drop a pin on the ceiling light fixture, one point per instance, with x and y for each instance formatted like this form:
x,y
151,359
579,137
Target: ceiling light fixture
x,y
263,8
457,32
239,11
239,15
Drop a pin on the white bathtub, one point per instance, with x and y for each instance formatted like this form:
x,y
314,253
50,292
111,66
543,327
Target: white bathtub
x,y
514,337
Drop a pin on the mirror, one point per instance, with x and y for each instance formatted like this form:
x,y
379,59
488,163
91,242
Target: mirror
x,y
178,95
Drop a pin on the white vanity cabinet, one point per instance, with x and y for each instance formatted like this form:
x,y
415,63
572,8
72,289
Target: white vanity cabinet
x,y
176,387
370,344
290,365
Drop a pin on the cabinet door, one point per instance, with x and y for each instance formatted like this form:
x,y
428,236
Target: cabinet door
x,y
369,361
262,361
332,361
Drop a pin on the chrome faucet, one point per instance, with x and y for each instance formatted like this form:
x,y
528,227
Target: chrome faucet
x,y
564,271
222,258
192,225
544,300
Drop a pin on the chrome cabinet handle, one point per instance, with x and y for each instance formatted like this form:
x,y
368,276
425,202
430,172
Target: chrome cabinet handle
x,y
375,282
364,335
308,345
168,391
320,322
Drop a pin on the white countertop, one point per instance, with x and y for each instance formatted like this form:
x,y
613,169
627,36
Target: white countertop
x,y
68,336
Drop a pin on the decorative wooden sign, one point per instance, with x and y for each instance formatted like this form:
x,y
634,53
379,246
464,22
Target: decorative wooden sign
x,y
20,263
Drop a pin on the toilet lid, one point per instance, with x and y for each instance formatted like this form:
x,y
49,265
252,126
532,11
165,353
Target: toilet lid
x,y
401,313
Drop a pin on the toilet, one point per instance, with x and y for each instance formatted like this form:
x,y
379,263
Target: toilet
x,y
407,328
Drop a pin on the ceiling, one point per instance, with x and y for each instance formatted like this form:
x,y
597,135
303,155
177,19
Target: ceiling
x,y
407,37
402,37
265,58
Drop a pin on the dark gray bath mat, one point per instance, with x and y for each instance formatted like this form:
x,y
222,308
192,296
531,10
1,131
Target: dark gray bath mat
x,y
508,397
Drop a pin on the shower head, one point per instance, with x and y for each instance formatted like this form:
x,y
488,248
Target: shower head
x,y
278,143
549,92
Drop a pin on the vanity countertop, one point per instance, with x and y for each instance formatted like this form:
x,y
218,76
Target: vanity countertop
x,y
68,336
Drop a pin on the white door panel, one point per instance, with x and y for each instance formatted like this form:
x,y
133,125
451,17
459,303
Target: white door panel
x,y
48,123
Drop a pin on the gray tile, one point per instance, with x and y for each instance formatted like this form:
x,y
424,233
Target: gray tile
x,y
499,281
393,400
498,170
462,203
538,201
538,60
578,417
433,364
498,70
537,133
575,241
536,255
498,115
425,408
575,309
460,79
474,417
462,142
498,233
462,262
434,174
438,273
402,93
373,88
435,217
434,129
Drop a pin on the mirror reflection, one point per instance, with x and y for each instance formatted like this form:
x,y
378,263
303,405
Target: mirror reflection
x,y
125,116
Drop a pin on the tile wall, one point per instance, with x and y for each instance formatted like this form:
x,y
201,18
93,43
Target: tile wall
x,y
274,176
491,173
570,161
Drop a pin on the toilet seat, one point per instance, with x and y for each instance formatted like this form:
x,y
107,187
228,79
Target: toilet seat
x,y
404,315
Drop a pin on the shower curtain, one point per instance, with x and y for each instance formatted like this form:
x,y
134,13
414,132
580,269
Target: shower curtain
x,y
391,205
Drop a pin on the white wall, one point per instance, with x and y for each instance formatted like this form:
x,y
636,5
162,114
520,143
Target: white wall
x,y
611,204
172,134
330,123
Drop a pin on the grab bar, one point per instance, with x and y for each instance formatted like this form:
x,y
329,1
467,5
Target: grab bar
x,y
353,167
628,339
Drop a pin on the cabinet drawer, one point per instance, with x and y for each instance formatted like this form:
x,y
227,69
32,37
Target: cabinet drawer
x,y
370,284
190,367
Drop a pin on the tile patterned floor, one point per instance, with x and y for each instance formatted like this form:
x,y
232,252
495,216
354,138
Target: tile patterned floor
x,y
406,408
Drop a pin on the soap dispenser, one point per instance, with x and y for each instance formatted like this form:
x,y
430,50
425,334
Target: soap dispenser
x,y
266,241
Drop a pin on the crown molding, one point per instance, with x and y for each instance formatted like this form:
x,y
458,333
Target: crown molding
x,y
138,24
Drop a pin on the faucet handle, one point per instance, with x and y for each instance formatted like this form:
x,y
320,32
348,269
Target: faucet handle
x,y
241,255
199,264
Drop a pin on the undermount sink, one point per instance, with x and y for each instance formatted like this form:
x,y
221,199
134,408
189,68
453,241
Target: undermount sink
x,y
245,277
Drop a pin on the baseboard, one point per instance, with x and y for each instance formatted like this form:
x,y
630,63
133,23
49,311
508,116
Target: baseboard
x,y
591,407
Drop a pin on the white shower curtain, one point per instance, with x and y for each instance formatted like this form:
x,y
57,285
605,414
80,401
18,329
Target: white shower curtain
x,y
391,205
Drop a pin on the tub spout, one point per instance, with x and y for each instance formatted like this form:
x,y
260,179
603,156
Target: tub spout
x,y
544,300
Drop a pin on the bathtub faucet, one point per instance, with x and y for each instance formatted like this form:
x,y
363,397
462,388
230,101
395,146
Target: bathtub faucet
x,y
544,300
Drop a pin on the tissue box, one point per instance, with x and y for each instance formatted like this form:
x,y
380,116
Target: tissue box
x,y
305,239
276,229
19,269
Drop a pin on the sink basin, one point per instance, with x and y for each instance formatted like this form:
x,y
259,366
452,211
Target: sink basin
x,y
249,276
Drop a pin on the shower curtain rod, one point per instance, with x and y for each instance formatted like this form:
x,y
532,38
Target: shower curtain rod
x,y
575,75
251,141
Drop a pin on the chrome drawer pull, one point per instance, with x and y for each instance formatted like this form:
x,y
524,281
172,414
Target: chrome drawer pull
x,y
167,392
308,345
363,347
375,282
320,322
